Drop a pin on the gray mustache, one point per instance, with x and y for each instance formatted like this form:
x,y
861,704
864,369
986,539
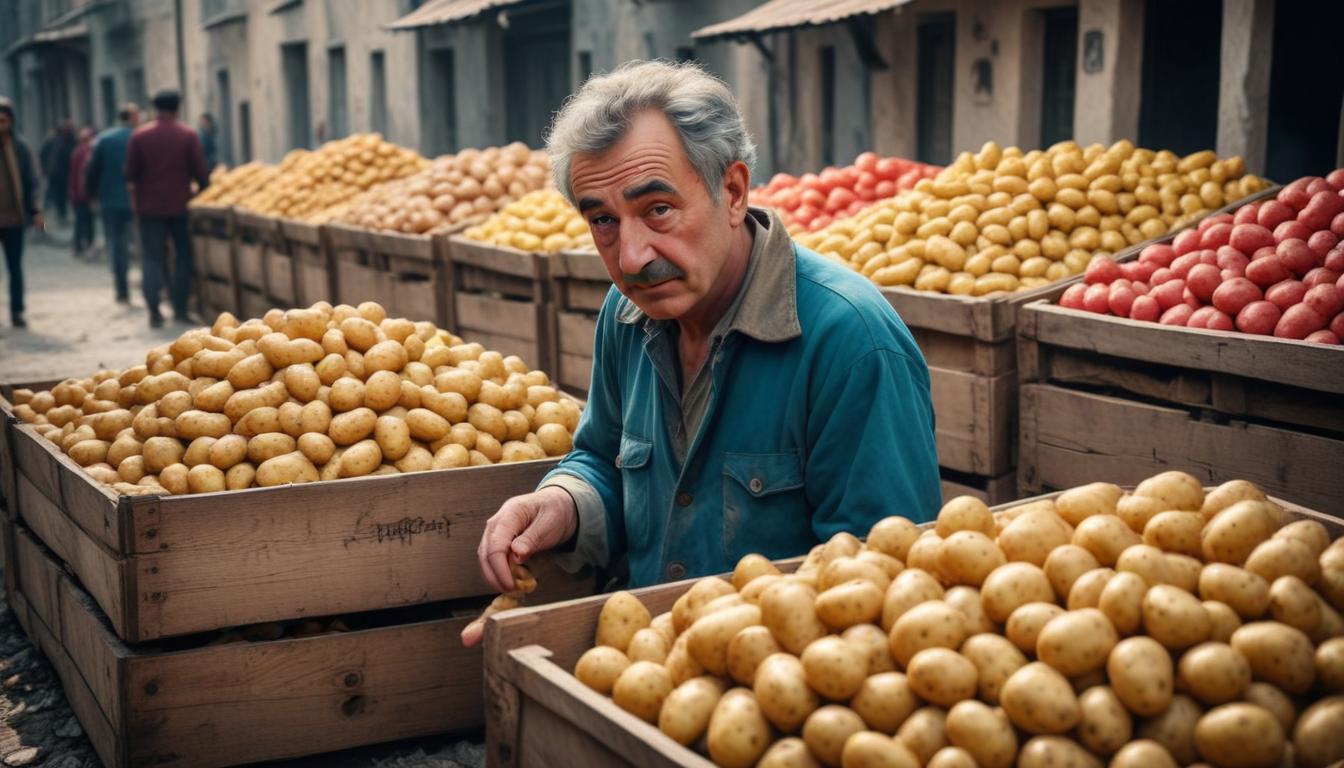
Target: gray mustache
x,y
655,272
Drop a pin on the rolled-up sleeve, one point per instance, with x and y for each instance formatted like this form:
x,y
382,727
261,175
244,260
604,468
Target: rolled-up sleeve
x,y
589,471
872,448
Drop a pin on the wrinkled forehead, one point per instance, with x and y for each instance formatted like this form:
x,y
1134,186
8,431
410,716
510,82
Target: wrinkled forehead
x,y
649,150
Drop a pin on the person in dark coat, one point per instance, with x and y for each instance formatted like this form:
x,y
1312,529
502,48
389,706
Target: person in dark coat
x,y
107,184
55,157
79,193
18,205
209,145
163,160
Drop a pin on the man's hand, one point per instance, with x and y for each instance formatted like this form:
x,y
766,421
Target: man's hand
x,y
524,526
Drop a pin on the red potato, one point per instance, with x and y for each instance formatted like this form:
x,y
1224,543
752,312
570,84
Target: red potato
x,y
1319,184
1337,325
1295,195
1200,317
1229,257
885,188
1286,293
1188,296
1101,269
1181,266
1185,242
1325,299
1323,337
1160,276
1208,256
1245,214
1296,256
1267,271
1138,270
1216,235
1147,308
1318,276
1248,238
866,161
1273,213
1234,294
1072,297
1177,315
1322,242
1169,294
1140,287
1336,178
1160,254
1213,221
1121,299
1220,321
1337,224
1298,322
888,168
1324,206
1292,230
1334,260
1203,280
1258,317
1095,299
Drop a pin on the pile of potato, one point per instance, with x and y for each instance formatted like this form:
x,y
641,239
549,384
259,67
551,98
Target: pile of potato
x,y
456,189
1155,628
1007,220
299,396
318,186
229,186
541,221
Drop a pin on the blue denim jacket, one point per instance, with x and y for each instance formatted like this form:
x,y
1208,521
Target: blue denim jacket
x,y
820,420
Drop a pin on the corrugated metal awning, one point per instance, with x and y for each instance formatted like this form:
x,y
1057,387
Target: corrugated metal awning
x,y
447,12
787,14
48,37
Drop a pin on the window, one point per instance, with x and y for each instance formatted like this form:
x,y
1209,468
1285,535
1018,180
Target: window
x,y
245,129
935,54
1059,74
294,68
338,116
107,88
224,119
537,73
439,100
377,93
828,104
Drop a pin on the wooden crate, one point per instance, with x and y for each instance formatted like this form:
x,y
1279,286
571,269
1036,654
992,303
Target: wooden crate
x,y
263,261
407,274
310,262
1071,437
536,709
579,285
191,704
165,566
216,296
212,231
991,490
501,298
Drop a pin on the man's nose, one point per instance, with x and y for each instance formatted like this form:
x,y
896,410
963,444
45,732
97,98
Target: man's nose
x,y
635,253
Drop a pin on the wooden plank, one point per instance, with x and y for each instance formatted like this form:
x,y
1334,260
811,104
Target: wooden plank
x,y
974,420
95,651
106,577
1286,361
577,333
543,734
961,353
38,581
278,266
991,490
499,316
37,458
1070,438
250,271
8,465
336,547
574,372
500,259
88,504
253,303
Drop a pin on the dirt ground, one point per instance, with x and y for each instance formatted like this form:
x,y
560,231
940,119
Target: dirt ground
x,y
75,327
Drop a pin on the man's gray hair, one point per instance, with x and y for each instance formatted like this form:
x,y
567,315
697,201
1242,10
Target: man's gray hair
x,y
699,105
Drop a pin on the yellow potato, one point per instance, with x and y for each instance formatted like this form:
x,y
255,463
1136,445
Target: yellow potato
x,y
286,468
1175,618
641,688
160,452
1121,601
1308,532
1295,604
268,446
1173,531
1214,672
893,536
738,732
1025,623
942,676
1330,664
679,663
1077,642
845,568
316,447
1278,654
393,436
1065,565
783,693
687,709
708,638
1232,534
1055,752
1318,740
1106,725
192,424
933,624
362,458
1140,672
746,651
1138,511
1031,536
1086,591
451,456
924,732
788,610
1243,591
1078,504
87,452
174,478
951,757
1012,585
346,394
827,730
790,752
1148,562
259,421
967,557
1038,699
622,616
869,748
834,667
968,601
352,427
555,439
987,736
964,513
1240,736
884,701
244,374
198,452
241,475
1143,753
853,602
205,478
1105,536
1227,494
1178,490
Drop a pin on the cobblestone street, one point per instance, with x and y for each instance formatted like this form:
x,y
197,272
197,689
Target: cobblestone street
x,y
75,327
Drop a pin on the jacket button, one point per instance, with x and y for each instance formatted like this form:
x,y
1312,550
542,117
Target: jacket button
x,y
683,499
676,571
756,485
618,462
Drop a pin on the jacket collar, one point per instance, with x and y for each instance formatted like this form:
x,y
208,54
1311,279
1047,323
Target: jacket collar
x,y
768,303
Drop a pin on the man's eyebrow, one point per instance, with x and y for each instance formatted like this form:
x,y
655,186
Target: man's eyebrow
x,y
653,186
586,203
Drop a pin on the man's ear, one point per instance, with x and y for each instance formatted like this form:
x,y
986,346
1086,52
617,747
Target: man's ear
x,y
736,186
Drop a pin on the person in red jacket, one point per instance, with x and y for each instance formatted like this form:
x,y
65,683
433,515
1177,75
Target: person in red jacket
x,y
162,161
79,192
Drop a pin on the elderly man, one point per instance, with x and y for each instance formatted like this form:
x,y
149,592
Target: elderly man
x,y
747,394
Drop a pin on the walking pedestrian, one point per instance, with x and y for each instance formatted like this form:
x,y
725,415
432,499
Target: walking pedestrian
x,y
106,181
79,193
18,205
208,144
55,157
162,160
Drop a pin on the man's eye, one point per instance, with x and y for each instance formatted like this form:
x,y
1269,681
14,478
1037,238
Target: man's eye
x,y
601,221
662,209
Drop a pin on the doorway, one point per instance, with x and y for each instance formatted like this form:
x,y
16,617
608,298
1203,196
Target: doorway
x,y
1305,94
936,57
1059,74
294,69
536,70
1179,107
224,114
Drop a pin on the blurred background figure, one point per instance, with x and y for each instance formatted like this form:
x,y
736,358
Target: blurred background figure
x,y
106,180
163,159
208,143
55,156
79,194
18,205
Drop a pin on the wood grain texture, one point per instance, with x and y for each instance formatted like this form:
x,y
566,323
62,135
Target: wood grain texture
x,y
991,490
975,417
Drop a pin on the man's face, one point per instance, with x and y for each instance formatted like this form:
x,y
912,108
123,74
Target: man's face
x,y
6,123
662,237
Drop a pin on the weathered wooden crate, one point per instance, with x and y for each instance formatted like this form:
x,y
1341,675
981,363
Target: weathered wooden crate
x,y
501,298
189,703
263,263
536,709
173,565
310,262
407,274
212,232
579,286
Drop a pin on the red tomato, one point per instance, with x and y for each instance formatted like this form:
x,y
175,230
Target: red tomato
x,y
1258,317
1298,322
1158,254
1323,336
1120,299
909,179
1234,294
885,189
1169,294
1072,297
1267,271
1185,242
1245,214
889,168
1248,238
1203,280
1101,269
1177,315
1145,308
813,198
1215,236
1097,298
1273,213
866,161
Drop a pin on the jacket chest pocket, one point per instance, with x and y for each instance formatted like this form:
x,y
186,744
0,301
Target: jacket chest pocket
x,y
637,491
764,507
